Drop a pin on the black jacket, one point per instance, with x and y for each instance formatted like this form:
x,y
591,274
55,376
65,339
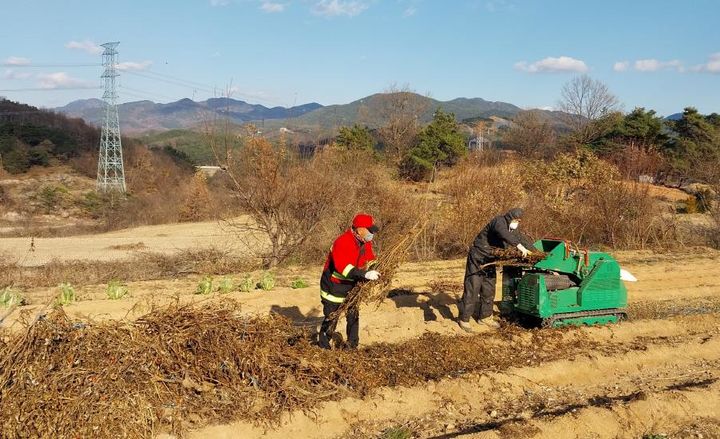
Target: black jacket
x,y
497,234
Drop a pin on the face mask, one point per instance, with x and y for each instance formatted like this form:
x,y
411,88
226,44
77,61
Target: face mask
x,y
514,225
369,237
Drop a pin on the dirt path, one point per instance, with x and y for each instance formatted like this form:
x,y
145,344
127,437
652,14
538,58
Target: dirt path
x,y
121,244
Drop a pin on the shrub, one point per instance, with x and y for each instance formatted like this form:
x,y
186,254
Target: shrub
x,y
689,206
267,281
67,294
714,238
247,284
205,286
10,297
440,143
475,194
299,283
287,199
197,203
356,137
397,433
52,197
226,285
115,290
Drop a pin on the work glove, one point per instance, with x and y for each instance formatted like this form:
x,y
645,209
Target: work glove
x,y
372,275
525,252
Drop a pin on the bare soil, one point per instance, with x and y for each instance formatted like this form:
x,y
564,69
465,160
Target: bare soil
x,y
654,374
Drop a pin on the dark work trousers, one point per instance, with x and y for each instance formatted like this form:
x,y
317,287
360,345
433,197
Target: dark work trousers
x,y
479,286
328,327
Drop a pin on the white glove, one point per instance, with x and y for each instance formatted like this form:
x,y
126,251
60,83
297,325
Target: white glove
x,y
523,250
372,275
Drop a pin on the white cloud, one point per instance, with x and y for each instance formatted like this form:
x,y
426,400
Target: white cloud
x,y
621,66
334,8
219,2
131,65
497,5
409,12
653,65
271,7
87,46
712,66
553,65
59,80
16,61
12,74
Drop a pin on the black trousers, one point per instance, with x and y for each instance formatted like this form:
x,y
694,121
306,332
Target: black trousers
x,y
327,328
479,286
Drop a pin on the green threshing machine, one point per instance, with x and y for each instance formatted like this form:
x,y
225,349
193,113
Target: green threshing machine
x,y
570,286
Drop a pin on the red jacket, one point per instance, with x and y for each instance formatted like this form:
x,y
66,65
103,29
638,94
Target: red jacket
x,y
346,264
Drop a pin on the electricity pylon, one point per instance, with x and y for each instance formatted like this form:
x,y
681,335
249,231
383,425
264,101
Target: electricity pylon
x,y
111,173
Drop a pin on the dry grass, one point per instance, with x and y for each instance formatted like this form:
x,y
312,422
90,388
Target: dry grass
x,y
143,266
131,246
187,366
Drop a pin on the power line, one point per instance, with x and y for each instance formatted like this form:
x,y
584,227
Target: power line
x,y
152,72
47,65
148,74
168,81
174,80
48,89
143,93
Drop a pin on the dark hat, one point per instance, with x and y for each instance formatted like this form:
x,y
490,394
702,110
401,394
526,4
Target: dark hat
x,y
515,213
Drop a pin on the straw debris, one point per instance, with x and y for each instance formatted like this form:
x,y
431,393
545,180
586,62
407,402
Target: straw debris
x,y
185,366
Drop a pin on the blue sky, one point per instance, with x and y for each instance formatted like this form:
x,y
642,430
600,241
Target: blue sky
x,y
663,55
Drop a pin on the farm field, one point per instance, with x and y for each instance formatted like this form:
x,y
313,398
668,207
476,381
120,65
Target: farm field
x,y
626,380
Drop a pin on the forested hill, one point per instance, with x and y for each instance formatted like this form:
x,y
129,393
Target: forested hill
x,y
33,137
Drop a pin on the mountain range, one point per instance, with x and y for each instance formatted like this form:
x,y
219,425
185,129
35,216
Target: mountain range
x,y
147,116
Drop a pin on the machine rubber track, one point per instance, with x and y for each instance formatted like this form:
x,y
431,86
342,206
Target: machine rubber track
x,y
550,321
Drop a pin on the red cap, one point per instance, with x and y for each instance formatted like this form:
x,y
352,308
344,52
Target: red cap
x,y
365,220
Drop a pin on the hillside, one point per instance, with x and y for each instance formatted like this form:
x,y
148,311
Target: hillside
x,y
192,144
148,116
32,137
144,116
373,111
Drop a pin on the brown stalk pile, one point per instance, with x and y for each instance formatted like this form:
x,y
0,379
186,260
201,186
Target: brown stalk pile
x,y
183,367
388,263
511,256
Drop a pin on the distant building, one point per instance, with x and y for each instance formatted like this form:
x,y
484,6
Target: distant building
x,y
478,143
649,179
209,171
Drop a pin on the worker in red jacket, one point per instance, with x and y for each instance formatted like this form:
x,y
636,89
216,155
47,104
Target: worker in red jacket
x,y
350,261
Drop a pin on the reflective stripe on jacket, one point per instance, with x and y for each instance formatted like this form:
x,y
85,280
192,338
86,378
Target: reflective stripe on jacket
x,y
346,264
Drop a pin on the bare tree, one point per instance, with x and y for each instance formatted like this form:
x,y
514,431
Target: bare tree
x,y
585,101
400,111
532,135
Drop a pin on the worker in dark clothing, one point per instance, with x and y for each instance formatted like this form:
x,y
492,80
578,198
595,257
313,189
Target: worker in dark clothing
x,y
501,232
350,261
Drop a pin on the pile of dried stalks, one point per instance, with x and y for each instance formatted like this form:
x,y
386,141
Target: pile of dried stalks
x,y
511,256
388,262
186,366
